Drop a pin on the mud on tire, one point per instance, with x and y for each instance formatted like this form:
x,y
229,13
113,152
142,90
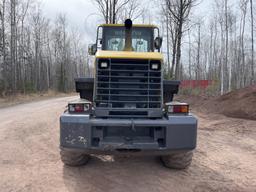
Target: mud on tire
x,y
178,160
74,159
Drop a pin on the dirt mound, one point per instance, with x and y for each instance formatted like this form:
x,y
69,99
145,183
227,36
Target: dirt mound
x,y
239,103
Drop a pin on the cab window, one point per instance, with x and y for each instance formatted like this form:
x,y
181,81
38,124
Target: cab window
x,y
114,39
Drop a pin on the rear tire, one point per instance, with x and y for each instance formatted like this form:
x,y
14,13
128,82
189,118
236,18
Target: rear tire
x,y
74,159
178,160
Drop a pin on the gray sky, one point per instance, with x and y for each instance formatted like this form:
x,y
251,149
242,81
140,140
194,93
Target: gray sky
x,y
79,13
78,10
83,14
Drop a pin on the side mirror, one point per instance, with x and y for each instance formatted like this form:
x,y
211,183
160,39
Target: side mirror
x,y
92,49
158,42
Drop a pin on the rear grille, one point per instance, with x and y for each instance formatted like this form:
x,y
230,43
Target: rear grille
x,y
128,88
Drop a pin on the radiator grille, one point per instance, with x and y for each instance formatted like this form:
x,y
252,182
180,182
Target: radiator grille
x,y
128,87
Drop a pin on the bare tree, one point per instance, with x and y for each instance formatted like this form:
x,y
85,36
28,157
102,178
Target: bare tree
x,y
243,7
227,42
252,36
132,10
167,34
21,70
198,53
179,11
189,55
111,9
3,48
168,44
218,50
13,46
32,56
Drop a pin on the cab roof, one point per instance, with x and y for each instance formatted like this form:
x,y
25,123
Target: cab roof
x,y
134,25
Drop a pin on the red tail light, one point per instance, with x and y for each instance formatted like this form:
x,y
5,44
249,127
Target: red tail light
x,y
79,107
178,108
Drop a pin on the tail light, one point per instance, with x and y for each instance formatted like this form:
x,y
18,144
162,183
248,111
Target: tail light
x,y
79,107
176,107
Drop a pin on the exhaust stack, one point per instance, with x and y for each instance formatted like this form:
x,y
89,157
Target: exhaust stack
x,y
128,35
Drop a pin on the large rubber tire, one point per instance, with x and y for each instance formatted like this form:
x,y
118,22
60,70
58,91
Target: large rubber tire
x,y
178,160
74,159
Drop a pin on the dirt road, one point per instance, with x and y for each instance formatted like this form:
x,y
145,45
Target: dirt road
x,y
29,160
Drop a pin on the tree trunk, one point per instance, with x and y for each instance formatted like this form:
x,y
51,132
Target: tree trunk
x,y
107,11
4,47
189,56
13,44
222,61
226,44
178,57
243,52
198,76
168,45
252,36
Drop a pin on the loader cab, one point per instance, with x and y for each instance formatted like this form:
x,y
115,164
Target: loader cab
x,y
127,37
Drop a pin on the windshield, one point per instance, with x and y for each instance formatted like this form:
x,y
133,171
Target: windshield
x,y
114,39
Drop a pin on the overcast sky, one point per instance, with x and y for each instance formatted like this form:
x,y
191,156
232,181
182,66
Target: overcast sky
x,y
83,14
76,10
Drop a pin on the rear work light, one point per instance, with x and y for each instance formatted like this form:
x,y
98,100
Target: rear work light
x,y
155,65
175,107
79,107
103,64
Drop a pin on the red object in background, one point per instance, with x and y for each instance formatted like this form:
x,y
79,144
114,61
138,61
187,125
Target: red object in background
x,y
202,84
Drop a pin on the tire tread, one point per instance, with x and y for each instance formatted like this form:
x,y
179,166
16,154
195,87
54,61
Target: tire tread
x,y
178,160
74,159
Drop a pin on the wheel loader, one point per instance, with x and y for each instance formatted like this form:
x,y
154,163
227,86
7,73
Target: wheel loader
x,y
127,108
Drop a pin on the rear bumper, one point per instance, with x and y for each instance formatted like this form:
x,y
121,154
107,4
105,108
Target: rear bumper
x,y
110,136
